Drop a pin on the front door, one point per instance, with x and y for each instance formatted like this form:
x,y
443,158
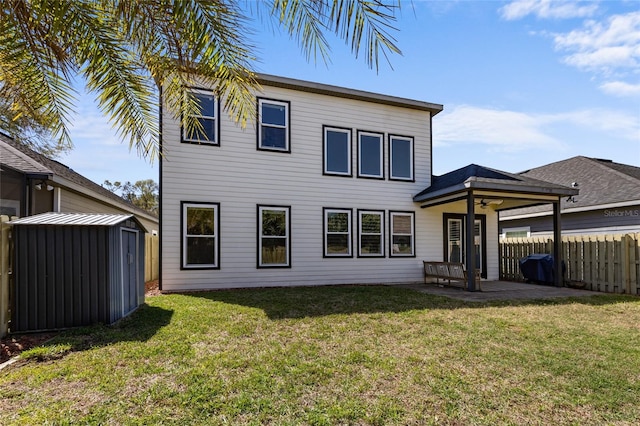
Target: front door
x,y
454,240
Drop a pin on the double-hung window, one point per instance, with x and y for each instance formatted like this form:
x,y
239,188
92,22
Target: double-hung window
x,y
207,116
273,130
402,234
200,235
337,151
400,158
370,233
274,241
337,232
370,155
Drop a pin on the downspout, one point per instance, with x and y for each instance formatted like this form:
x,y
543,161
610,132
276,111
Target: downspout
x,y
160,159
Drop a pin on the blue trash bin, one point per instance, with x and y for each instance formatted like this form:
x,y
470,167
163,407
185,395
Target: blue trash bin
x,y
539,268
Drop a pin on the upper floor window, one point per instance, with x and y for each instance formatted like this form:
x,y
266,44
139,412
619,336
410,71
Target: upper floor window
x,y
200,235
273,130
337,151
400,158
370,154
274,243
337,232
208,119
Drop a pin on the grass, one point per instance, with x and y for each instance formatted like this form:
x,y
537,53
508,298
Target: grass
x,y
338,355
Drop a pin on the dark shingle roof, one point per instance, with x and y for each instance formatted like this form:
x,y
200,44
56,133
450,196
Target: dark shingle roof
x,y
599,181
27,161
487,178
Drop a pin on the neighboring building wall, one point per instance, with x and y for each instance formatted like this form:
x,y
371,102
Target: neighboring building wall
x,y
72,202
603,221
239,177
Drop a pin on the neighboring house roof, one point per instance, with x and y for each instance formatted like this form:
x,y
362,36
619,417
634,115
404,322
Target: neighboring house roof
x,y
478,177
26,161
343,92
602,184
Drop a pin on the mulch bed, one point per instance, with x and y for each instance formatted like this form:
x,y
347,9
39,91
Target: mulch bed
x,y
12,345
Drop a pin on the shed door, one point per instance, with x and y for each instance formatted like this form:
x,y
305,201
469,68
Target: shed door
x,y
129,271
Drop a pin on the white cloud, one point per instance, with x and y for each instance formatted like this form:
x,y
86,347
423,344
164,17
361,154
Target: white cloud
x,y
510,131
620,89
548,9
603,46
503,130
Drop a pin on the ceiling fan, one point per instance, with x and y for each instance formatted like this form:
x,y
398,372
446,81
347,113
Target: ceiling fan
x,y
491,202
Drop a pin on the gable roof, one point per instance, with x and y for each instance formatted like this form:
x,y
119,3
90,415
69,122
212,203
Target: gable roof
x,y
601,182
474,176
35,165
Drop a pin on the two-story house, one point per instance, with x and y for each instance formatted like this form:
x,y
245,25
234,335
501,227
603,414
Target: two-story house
x,y
330,186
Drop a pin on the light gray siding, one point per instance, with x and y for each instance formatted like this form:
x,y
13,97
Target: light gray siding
x,y
240,177
602,221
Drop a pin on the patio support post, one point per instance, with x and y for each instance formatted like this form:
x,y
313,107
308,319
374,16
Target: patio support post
x,y
470,260
557,244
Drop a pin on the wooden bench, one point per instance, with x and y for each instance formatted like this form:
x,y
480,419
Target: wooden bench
x,y
450,271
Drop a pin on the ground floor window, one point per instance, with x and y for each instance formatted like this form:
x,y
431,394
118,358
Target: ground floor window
x,y
402,234
337,232
370,233
521,232
274,231
200,235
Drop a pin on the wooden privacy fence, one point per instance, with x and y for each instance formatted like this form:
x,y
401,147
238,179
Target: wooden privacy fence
x,y
151,258
606,263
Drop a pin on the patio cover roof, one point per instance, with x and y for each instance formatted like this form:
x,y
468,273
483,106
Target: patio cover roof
x,y
515,190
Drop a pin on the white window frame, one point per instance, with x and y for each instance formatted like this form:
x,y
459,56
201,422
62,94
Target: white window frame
x,y
392,176
380,234
325,156
216,235
262,101
214,118
380,137
349,233
392,251
286,237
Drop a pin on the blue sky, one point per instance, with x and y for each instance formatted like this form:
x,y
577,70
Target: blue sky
x,y
523,83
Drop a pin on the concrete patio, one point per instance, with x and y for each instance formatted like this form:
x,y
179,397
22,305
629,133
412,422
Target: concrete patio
x,y
501,290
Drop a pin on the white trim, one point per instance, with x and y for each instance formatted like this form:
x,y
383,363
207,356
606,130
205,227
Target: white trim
x,y
393,138
276,126
361,233
215,236
326,150
392,252
286,237
380,137
213,118
349,232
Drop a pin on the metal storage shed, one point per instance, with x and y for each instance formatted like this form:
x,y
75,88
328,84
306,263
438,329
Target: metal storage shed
x,y
74,269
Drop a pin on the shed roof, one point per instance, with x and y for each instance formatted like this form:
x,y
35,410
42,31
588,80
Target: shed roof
x,y
76,219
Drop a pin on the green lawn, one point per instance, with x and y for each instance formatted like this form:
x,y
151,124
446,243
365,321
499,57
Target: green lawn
x,y
338,355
